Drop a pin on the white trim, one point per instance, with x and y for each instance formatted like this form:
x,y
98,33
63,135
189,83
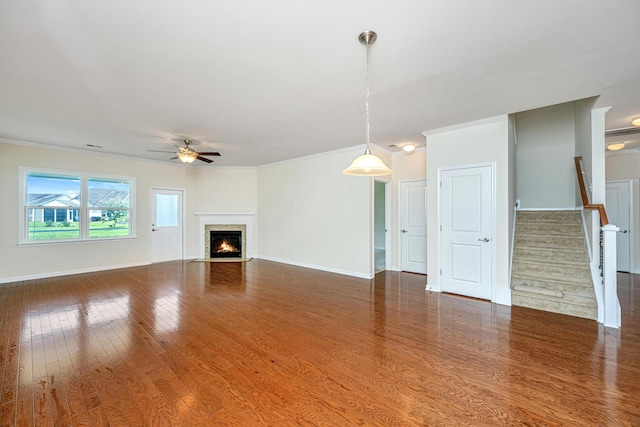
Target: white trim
x,y
68,272
317,267
83,208
481,122
503,296
96,152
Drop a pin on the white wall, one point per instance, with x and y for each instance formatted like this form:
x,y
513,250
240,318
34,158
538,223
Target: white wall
x,y
627,166
206,188
545,173
406,167
311,214
481,142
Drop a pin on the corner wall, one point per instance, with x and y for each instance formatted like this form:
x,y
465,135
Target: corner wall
x,y
481,142
311,214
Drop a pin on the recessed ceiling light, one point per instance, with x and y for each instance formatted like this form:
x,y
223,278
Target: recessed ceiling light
x,y
616,146
636,121
408,148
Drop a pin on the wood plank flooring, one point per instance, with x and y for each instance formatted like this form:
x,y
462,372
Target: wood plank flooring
x,y
261,343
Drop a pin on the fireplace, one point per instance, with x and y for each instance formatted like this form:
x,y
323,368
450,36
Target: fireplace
x,y
225,241
225,244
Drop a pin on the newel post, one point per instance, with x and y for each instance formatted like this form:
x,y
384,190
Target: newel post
x,y
609,275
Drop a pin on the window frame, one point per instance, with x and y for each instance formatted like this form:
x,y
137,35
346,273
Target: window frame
x,y
83,210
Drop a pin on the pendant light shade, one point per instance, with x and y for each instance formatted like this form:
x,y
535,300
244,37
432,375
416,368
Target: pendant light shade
x,y
367,164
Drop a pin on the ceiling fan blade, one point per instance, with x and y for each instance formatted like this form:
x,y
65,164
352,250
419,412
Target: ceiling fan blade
x,y
158,151
204,159
173,158
208,153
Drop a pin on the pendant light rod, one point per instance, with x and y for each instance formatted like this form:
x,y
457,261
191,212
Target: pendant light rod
x,y
367,38
367,164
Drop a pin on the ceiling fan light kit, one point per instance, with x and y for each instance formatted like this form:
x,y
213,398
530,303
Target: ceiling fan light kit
x,y
636,121
367,164
188,155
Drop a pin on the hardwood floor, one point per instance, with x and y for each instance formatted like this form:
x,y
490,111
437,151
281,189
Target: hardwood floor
x,y
261,343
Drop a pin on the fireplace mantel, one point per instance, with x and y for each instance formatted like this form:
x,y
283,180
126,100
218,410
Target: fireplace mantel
x,y
226,218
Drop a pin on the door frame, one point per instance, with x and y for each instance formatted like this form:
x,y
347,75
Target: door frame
x,y
387,225
632,213
184,216
399,220
441,246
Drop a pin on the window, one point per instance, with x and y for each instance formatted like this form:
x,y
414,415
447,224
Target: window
x,y
60,206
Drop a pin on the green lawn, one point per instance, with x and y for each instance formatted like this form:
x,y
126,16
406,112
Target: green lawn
x,y
58,231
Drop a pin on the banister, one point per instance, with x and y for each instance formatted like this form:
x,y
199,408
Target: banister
x,y
585,197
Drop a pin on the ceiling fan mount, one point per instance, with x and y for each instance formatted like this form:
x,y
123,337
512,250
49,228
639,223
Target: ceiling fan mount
x,y
186,154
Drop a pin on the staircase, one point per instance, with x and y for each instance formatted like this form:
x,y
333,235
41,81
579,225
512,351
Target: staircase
x,y
550,269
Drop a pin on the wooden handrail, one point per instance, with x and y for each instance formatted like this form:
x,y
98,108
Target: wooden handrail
x,y
585,197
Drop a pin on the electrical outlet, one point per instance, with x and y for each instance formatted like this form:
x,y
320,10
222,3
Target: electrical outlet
x,y
297,250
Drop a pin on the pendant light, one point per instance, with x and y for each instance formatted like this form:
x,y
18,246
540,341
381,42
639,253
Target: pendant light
x,y
367,164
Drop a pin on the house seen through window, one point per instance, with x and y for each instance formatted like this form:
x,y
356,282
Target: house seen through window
x,y
66,207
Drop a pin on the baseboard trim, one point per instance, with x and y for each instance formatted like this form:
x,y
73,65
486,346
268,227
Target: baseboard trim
x,y
503,296
4,280
317,267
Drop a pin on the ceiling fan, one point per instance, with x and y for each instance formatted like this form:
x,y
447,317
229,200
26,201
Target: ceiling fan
x,y
186,154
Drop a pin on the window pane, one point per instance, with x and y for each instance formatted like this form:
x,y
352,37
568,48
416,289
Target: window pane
x,y
108,193
166,210
107,223
57,199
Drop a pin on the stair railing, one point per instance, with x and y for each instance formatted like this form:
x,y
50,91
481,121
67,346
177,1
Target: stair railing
x,y
607,293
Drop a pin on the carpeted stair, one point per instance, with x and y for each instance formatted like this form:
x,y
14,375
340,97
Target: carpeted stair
x,y
550,268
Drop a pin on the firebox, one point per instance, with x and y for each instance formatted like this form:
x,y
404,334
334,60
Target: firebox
x,y
225,244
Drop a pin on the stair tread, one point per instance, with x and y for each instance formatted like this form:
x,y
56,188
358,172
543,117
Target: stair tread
x,y
559,280
580,265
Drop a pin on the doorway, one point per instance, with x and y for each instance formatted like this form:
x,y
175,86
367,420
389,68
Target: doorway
x,y
381,217
466,221
619,210
166,224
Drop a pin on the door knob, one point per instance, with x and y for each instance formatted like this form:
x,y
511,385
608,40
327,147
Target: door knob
x,y
404,231
483,240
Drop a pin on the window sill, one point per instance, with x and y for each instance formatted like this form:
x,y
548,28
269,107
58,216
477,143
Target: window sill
x,y
73,241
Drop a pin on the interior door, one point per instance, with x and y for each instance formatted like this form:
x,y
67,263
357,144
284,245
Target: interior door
x,y
618,205
166,225
413,226
466,221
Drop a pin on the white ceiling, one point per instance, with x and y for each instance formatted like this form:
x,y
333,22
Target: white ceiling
x,y
267,81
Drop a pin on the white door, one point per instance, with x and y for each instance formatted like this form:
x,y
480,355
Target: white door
x,y
413,226
618,205
166,225
466,220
